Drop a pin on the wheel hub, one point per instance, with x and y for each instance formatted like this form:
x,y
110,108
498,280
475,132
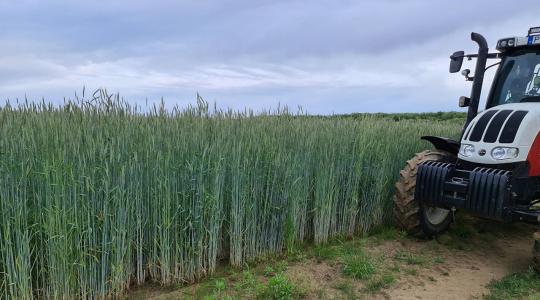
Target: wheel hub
x,y
436,215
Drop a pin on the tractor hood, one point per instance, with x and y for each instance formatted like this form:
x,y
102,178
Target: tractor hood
x,y
509,126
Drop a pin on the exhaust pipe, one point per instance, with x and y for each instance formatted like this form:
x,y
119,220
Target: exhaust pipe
x,y
478,76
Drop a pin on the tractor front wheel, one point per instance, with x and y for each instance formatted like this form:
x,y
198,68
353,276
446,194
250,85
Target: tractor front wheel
x,y
416,218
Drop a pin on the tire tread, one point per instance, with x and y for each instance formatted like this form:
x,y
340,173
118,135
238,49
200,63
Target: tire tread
x,y
406,208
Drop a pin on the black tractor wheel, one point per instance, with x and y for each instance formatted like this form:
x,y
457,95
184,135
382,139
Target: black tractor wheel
x,y
416,218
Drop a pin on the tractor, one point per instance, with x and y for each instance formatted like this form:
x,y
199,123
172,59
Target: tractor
x,y
493,171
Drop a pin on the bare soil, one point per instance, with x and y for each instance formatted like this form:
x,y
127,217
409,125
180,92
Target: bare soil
x,y
458,265
465,274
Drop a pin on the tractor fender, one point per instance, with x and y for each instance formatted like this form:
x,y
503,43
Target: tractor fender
x,y
442,143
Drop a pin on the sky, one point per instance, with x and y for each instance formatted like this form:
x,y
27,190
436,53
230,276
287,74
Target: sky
x,y
324,56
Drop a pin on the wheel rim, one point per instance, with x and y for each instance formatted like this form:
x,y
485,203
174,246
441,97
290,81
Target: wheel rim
x,y
436,215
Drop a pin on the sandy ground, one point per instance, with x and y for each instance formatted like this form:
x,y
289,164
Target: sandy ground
x,y
462,274
465,274
458,274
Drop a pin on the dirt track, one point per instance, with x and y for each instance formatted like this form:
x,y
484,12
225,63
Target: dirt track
x,y
460,274
465,274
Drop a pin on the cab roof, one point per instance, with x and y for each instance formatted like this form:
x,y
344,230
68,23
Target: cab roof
x,y
531,40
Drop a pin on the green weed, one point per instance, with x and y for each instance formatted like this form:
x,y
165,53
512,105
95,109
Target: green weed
x,y
525,285
279,288
358,266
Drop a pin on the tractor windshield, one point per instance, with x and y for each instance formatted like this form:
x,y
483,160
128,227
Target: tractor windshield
x,y
518,79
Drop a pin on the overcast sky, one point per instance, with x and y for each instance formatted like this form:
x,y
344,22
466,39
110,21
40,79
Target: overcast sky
x,y
325,56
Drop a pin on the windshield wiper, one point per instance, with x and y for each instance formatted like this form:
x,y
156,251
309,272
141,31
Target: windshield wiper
x,y
530,99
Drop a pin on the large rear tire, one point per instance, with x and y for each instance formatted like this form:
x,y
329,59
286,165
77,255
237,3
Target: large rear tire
x,y
416,218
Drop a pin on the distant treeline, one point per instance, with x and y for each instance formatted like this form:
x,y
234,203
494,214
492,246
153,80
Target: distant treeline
x,y
440,116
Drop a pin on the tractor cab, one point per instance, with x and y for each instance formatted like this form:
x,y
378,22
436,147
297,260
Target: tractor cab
x,y
518,77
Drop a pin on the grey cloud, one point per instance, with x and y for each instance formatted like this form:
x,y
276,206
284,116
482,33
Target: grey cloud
x,y
324,55
274,29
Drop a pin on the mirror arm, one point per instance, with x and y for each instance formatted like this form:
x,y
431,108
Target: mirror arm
x,y
471,56
492,65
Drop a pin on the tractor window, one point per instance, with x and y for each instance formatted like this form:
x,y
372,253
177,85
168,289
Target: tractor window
x,y
518,79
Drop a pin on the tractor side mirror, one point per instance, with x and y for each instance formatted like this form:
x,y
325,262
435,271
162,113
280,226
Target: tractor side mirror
x,y
456,61
464,101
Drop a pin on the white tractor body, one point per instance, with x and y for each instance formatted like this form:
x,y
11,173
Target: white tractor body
x,y
507,126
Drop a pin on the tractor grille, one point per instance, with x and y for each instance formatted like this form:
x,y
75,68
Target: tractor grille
x,y
512,125
478,130
494,124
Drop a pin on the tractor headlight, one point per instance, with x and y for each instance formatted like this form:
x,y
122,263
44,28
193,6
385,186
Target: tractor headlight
x,y
466,150
500,153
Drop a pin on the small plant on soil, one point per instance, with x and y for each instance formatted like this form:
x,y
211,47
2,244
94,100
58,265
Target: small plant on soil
x,y
358,266
281,266
380,282
269,271
247,282
410,258
279,288
220,285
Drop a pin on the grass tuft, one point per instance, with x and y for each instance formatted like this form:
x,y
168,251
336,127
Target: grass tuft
x,y
279,288
516,286
358,266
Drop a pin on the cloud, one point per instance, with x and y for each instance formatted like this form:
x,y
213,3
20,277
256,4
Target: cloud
x,y
327,56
